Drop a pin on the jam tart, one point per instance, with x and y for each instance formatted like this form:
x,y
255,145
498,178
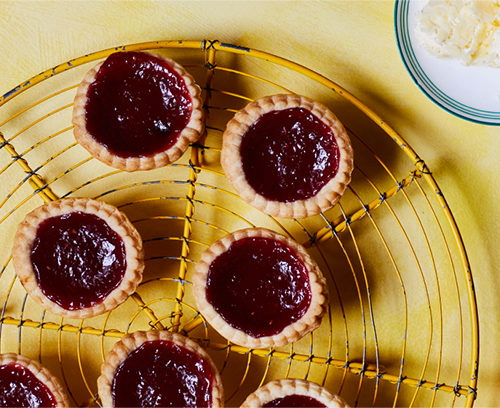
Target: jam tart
x,y
259,289
158,369
26,383
287,155
293,393
78,257
137,111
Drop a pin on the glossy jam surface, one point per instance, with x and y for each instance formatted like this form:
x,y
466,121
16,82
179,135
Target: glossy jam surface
x,y
20,388
289,155
295,400
163,374
78,259
259,285
137,105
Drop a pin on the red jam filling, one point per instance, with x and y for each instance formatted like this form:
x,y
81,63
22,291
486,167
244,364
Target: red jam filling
x,y
20,388
259,286
137,105
289,155
78,259
295,400
163,374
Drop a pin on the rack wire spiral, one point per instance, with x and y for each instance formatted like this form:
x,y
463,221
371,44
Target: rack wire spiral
x,y
402,325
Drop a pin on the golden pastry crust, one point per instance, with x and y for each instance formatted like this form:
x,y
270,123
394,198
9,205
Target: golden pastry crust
x,y
231,162
116,220
130,342
191,133
281,388
293,332
42,374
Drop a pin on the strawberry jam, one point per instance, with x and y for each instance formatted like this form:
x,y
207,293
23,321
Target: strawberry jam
x,y
295,400
20,388
77,259
161,373
137,105
259,285
289,155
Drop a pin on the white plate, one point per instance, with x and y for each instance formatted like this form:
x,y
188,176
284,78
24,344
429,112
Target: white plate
x,y
469,92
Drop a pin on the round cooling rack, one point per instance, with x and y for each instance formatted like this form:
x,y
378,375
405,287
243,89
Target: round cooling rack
x,y
401,328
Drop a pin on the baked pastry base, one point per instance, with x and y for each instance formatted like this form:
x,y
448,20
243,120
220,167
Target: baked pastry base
x,y
293,332
281,388
42,374
191,133
130,342
116,220
231,161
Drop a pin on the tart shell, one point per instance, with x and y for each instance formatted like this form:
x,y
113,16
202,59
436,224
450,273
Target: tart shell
x,y
116,220
281,388
131,342
293,332
42,374
190,134
231,161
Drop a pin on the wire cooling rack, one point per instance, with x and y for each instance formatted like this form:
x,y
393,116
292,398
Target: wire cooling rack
x,y
401,328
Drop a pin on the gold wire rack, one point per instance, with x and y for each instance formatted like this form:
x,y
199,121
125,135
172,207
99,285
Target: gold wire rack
x,y
402,327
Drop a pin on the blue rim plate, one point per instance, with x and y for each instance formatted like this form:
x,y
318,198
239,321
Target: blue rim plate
x,y
469,92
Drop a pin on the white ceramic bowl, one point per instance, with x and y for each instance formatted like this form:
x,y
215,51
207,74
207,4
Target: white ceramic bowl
x,y
469,92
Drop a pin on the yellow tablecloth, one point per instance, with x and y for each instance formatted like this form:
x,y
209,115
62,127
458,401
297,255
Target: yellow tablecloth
x,y
351,42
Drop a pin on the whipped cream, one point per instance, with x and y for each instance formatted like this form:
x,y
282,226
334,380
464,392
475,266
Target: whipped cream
x,y
468,30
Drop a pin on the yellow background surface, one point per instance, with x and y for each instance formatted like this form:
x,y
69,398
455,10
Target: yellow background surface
x,y
351,42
